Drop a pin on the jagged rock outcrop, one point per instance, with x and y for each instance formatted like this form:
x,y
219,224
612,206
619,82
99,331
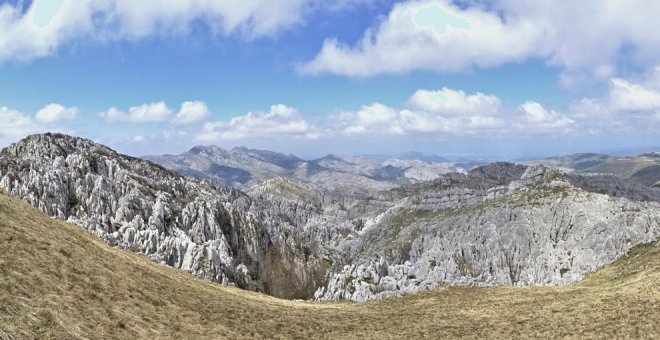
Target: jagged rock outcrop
x,y
497,224
202,227
489,227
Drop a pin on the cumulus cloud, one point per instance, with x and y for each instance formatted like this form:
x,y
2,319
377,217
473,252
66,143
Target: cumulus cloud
x,y
370,118
442,111
624,96
536,119
14,123
627,96
448,101
49,23
627,104
191,112
429,35
586,38
280,120
53,113
146,113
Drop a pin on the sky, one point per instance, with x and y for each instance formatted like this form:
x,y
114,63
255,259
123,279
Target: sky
x,y
498,79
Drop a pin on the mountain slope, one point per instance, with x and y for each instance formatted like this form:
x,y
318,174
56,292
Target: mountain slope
x,y
643,169
202,227
58,281
502,224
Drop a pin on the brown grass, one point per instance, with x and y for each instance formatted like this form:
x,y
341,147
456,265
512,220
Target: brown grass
x,y
58,281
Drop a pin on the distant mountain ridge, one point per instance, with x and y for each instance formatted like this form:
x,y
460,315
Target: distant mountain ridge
x,y
643,168
242,167
409,156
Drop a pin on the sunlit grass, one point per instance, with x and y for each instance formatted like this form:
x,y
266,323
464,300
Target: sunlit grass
x,y
58,281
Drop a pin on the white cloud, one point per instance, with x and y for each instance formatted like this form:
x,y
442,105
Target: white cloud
x,y
536,119
448,101
587,39
49,23
191,112
146,113
429,35
52,113
627,104
626,96
623,97
280,120
370,118
14,123
442,111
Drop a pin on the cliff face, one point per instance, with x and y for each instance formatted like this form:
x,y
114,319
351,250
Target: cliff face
x,y
499,224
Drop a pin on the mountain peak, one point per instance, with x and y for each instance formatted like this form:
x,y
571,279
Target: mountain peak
x,y
241,148
331,157
207,149
51,145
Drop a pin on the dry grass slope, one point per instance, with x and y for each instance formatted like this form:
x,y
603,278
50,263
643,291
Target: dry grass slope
x,y
57,281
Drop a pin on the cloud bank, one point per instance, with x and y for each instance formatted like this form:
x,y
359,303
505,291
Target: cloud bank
x,y
584,38
47,24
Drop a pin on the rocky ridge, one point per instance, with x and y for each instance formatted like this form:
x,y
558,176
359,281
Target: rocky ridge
x,y
491,228
200,226
497,224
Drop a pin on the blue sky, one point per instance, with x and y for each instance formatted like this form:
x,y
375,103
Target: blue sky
x,y
495,79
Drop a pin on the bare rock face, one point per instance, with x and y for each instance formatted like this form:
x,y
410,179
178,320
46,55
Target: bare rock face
x,y
537,229
202,227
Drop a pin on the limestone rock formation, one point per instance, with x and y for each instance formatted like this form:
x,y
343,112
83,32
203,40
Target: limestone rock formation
x,y
335,235
203,227
490,228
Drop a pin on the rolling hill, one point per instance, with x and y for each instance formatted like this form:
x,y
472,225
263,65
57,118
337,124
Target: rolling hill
x,y
59,281
643,169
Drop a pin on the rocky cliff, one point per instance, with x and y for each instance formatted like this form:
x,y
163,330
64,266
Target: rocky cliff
x,y
498,225
199,226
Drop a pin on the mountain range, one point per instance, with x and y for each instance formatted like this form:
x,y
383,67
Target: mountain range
x,y
243,168
329,230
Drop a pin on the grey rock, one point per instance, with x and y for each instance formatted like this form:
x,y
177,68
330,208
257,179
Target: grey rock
x,y
478,229
336,233
200,226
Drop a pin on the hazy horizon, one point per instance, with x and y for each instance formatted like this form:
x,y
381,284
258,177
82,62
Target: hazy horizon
x,y
632,151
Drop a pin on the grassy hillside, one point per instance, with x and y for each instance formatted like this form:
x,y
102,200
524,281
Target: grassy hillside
x,y
58,281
